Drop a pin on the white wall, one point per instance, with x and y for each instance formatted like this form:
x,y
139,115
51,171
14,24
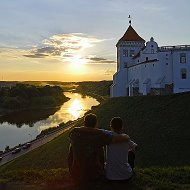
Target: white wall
x,y
136,46
168,67
118,87
143,72
120,79
165,59
181,85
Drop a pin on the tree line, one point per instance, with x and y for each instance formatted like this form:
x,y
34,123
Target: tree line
x,y
26,96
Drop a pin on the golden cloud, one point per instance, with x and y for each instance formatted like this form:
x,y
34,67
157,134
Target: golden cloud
x,y
68,47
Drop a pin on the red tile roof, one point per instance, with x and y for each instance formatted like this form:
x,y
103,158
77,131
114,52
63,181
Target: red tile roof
x,y
131,35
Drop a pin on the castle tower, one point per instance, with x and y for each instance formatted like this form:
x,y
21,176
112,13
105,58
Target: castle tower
x,y
127,47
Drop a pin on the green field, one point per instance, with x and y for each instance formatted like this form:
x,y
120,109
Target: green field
x,y
158,124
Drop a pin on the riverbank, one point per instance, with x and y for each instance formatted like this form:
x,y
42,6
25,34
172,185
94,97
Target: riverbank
x,y
5,112
32,122
100,90
27,97
158,124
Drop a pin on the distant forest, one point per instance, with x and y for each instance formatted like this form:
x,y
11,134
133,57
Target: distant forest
x,y
101,88
24,96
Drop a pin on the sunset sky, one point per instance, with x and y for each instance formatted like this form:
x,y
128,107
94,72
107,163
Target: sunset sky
x,y
74,40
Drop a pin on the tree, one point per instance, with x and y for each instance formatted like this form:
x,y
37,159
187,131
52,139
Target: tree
x,y
7,148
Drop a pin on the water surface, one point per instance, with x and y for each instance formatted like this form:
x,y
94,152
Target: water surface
x,y
23,126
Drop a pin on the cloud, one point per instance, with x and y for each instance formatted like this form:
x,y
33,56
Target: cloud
x,y
109,72
100,60
37,55
68,48
11,53
64,45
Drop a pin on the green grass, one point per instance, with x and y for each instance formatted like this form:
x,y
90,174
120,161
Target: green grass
x,y
164,178
99,90
145,179
160,126
50,155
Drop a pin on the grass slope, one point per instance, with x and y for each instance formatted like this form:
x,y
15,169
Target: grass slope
x,y
159,124
48,156
145,179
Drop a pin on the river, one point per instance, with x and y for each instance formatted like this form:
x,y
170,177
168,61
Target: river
x,y
23,126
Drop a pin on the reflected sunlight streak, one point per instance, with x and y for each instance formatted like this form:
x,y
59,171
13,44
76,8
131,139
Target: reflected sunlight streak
x,y
76,108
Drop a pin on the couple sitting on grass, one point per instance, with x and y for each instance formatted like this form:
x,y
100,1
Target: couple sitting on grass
x,y
88,146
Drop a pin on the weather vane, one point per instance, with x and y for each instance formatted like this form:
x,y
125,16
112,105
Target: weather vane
x,y
130,19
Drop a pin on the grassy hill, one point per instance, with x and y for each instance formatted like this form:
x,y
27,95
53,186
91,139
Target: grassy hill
x,y
160,126
97,89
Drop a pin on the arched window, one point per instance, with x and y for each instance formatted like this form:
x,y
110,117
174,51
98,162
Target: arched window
x,y
183,73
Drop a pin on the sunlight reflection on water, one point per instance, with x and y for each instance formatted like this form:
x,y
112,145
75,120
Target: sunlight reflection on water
x,y
75,108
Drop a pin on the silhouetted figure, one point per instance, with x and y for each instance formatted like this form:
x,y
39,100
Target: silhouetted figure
x,y
119,157
86,152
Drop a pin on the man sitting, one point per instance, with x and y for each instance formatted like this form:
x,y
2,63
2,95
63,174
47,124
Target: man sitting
x,y
119,157
86,150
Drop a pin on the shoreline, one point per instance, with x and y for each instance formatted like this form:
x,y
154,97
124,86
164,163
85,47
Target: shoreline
x,y
7,111
59,125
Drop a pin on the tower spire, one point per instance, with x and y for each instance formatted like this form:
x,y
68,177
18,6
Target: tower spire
x,y
130,19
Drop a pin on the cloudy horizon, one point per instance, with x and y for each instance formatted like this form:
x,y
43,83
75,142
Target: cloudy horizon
x,y
74,40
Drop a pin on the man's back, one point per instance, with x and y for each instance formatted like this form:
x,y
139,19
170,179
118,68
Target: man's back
x,y
87,147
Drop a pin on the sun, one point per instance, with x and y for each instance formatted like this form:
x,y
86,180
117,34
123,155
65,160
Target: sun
x,y
77,64
78,60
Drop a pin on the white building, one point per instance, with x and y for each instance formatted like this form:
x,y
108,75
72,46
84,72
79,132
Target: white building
x,y
144,69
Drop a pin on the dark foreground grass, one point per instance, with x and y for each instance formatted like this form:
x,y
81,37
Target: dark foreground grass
x,y
145,179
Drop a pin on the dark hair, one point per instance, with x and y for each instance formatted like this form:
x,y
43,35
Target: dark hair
x,y
90,120
116,123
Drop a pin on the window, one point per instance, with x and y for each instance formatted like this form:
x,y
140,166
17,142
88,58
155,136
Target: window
x,y
125,53
166,63
182,57
183,74
132,53
125,64
146,58
152,50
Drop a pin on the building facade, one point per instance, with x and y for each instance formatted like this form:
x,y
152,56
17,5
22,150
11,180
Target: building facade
x,y
144,68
